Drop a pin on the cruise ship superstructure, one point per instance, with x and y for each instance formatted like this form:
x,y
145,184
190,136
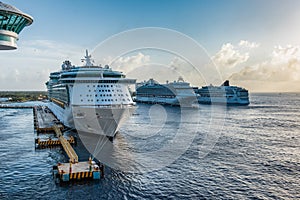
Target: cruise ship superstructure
x,y
178,93
90,98
224,94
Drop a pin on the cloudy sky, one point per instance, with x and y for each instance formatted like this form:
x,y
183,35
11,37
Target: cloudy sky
x,y
253,43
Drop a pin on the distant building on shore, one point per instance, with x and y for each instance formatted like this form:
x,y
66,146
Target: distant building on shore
x,y
4,99
12,22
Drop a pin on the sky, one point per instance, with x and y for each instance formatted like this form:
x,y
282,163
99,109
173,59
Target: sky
x,y
253,43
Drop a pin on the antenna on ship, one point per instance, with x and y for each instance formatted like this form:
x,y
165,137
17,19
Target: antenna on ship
x,y
87,59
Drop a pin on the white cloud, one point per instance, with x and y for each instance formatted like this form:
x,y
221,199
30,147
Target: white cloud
x,y
247,44
177,63
128,63
285,54
283,66
229,57
29,66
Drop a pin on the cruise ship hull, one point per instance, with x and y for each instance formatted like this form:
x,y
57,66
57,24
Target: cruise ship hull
x,y
179,101
222,100
104,120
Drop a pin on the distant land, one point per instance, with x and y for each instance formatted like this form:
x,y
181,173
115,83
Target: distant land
x,y
21,96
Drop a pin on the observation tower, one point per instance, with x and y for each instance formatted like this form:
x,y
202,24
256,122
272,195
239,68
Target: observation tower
x,y
12,22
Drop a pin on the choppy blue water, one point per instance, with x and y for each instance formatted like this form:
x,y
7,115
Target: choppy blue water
x,y
254,154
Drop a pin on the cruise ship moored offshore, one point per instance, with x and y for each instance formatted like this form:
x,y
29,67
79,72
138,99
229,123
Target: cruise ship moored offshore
x,y
224,94
177,93
180,93
90,98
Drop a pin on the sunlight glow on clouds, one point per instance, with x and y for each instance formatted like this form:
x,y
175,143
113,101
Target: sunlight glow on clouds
x,y
229,56
283,66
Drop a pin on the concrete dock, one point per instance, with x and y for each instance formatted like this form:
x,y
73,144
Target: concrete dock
x,y
79,170
45,121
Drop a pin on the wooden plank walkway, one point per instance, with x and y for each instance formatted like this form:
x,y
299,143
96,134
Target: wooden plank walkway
x,y
66,145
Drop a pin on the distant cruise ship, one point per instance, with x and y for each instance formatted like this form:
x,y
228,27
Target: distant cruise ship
x,y
90,98
178,93
224,94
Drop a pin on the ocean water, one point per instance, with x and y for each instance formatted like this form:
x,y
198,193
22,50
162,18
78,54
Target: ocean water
x,y
164,152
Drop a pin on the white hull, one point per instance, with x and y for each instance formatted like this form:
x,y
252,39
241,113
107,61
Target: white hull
x,y
89,98
187,101
222,100
104,120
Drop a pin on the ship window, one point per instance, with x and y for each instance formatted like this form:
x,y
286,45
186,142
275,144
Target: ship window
x,y
123,99
116,99
94,90
101,85
128,99
81,95
88,100
105,90
81,100
97,85
127,95
104,95
89,90
108,90
105,99
102,100
96,95
88,86
97,99
114,94
100,95
112,90
111,85
92,100
112,100
93,85
87,95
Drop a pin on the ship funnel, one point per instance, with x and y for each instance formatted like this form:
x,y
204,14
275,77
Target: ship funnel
x,y
226,83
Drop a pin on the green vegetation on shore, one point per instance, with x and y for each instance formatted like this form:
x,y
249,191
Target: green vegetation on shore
x,y
21,96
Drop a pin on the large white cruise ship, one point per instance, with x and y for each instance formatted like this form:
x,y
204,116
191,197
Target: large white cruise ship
x,y
178,93
90,98
224,94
